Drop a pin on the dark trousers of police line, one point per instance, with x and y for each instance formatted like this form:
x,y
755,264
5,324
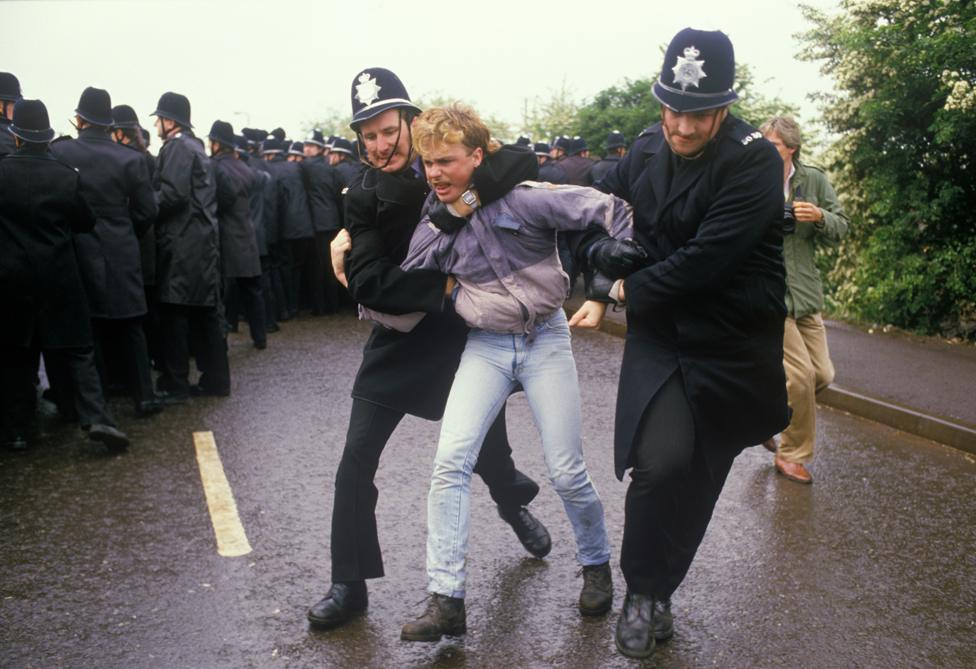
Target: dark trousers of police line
x,y
75,383
355,545
134,351
301,271
180,323
671,496
18,367
247,292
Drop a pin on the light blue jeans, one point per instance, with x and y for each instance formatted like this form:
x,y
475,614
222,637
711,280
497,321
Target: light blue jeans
x,y
492,364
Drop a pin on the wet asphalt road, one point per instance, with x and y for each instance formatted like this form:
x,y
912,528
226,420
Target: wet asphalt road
x,y
112,562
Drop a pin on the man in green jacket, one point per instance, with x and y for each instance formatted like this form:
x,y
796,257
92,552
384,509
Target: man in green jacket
x,y
819,218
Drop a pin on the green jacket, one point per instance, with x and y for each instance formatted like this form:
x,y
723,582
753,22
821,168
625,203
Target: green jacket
x,y
804,289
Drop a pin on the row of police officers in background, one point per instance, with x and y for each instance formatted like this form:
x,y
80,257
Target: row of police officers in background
x,y
179,247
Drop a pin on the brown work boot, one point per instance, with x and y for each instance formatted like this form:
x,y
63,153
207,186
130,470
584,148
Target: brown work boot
x,y
444,616
596,597
795,471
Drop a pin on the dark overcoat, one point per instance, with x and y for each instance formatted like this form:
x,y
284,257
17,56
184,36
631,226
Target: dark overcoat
x,y
710,302
41,294
187,251
269,207
603,167
413,371
321,184
7,144
577,170
294,215
147,243
116,182
239,254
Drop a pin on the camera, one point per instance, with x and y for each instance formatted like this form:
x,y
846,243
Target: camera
x,y
789,219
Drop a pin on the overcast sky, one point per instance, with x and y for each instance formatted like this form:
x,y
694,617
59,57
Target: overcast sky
x,y
287,63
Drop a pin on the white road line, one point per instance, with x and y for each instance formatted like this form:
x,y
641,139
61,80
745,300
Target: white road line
x,y
231,540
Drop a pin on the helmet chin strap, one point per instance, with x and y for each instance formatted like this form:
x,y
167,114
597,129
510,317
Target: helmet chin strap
x,y
402,115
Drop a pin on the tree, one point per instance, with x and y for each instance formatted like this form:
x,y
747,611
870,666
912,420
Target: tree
x,y
905,72
333,122
543,119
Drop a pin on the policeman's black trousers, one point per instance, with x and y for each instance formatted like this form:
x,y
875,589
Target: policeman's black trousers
x,y
246,291
301,271
671,496
135,353
74,380
179,324
355,545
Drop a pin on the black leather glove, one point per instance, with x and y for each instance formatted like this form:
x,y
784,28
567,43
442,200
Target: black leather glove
x,y
614,258
597,287
444,219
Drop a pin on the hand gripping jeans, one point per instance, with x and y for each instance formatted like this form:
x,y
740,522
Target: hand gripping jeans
x,y
492,365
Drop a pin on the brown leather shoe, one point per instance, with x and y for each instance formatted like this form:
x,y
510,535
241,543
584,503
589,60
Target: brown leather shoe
x,y
794,471
770,444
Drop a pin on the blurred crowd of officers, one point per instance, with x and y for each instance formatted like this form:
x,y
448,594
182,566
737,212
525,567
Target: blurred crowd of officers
x,y
178,248
146,261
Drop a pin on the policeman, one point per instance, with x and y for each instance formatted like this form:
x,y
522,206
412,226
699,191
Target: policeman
x,y
702,373
240,261
576,163
116,183
616,148
297,236
548,169
9,95
187,256
343,159
269,235
127,131
41,292
400,373
321,181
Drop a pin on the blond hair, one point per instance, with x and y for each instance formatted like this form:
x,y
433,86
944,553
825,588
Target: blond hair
x,y
455,123
787,129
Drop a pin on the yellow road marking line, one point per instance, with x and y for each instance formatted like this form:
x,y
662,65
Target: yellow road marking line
x,y
231,540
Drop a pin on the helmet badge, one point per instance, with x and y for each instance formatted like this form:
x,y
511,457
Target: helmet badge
x,y
367,90
687,70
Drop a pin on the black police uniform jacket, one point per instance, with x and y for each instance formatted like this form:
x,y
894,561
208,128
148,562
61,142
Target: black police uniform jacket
x,y
116,182
7,144
269,233
321,184
187,251
410,372
239,255
710,302
603,167
41,294
294,214
413,371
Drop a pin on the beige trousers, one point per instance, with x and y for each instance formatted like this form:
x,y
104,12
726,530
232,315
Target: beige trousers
x,y
808,370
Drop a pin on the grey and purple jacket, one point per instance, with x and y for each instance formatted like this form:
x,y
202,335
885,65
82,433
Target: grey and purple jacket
x,y
505,260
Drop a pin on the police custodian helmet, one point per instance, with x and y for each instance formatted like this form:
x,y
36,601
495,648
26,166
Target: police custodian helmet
x,y
376,90
698,72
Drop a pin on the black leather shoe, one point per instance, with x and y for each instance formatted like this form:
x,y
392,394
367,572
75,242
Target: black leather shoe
x,y
634,636
17,443
149,407
663,620
172,399
113,438
342,603
203,391
529,530
272,328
